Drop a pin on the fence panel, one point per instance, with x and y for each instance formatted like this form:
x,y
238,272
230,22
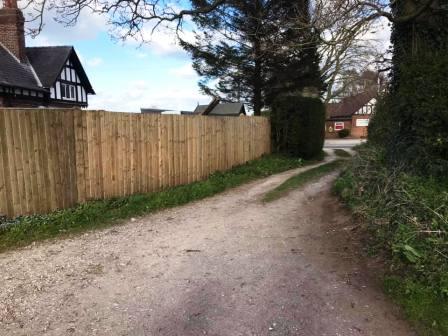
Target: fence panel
x,y
54,159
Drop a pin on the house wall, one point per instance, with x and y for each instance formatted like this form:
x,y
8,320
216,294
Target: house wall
x,y
359,131
27,102
6,101
331,124
68,78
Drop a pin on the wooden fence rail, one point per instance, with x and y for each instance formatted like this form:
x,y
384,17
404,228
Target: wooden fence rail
x,y
54,159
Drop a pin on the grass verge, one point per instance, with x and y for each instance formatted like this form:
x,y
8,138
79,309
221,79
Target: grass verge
x,y
342,153
406,222
98,214
301,179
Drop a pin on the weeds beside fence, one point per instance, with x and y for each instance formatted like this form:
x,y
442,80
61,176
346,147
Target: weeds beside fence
x,y
92,215
54,159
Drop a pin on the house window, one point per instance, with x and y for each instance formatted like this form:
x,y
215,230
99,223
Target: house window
x,y
68,92
362,122
339,126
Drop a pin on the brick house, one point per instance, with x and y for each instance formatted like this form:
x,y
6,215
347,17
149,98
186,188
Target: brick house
x,y
352,113
40,76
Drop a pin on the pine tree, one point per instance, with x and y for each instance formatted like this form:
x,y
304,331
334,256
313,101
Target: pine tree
x,y
295,64
255,50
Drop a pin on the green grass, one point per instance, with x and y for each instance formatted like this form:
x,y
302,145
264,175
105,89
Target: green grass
x,y
342,153
301,179
406,221
421,304
99,214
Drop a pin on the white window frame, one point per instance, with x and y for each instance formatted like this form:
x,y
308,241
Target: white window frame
x,y
364,120
71,92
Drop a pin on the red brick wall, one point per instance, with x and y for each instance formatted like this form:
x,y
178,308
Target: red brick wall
x,y
12,34
359,131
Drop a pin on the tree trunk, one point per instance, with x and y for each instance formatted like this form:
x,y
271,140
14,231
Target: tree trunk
x,y
258,101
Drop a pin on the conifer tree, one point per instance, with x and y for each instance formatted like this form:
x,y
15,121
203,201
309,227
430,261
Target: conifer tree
x,y
251,51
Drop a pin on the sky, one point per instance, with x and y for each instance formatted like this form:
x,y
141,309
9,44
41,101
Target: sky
x,y
127,76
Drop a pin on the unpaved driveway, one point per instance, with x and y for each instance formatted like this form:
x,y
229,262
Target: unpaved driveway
x,y
226,266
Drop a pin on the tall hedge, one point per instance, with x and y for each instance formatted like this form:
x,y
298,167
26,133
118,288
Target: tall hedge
x,y
411,122
298,125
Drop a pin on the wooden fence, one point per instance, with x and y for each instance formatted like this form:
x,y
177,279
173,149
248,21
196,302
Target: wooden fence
x,y
54,159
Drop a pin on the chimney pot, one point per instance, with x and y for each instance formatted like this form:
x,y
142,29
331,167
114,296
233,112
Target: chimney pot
x,y
10,4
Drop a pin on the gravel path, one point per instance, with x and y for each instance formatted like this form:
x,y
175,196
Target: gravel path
x,y
228,265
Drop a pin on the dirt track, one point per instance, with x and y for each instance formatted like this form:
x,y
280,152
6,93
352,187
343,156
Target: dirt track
x,y
226,266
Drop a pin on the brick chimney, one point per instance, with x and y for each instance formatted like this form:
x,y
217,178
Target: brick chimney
x,y
12,29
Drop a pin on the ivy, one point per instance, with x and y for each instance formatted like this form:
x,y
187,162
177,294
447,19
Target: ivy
x,y
411,122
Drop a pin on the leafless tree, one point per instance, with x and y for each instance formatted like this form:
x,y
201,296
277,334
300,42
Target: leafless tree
x,y
132,15
128,18
342,25
347,42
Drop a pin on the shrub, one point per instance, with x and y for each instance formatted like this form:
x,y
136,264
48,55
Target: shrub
x,y
406,217
408,214
344,133
298,125
411,122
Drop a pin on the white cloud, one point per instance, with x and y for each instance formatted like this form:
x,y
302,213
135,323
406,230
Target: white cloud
x,y
88,27
141,55
379,35
184,71
141,93
94,62
163,41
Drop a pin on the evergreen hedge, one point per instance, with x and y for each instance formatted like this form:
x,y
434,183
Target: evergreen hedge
x,y
298,125
411,122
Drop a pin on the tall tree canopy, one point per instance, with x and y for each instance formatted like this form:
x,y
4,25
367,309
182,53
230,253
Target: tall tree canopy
x,y
242,52
412,121
339,25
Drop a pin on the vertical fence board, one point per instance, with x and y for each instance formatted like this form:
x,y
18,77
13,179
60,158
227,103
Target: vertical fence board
x,y
11,168
27,162
38,192
6,205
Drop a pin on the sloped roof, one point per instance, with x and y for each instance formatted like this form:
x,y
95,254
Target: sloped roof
x,y
224,109
16,74
45,65
49,61
152,110
349,105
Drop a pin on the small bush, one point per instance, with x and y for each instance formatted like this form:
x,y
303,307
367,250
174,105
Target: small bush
x,y
298,125
344,133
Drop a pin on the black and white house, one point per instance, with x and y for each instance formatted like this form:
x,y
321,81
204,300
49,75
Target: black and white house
x,y
38,76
